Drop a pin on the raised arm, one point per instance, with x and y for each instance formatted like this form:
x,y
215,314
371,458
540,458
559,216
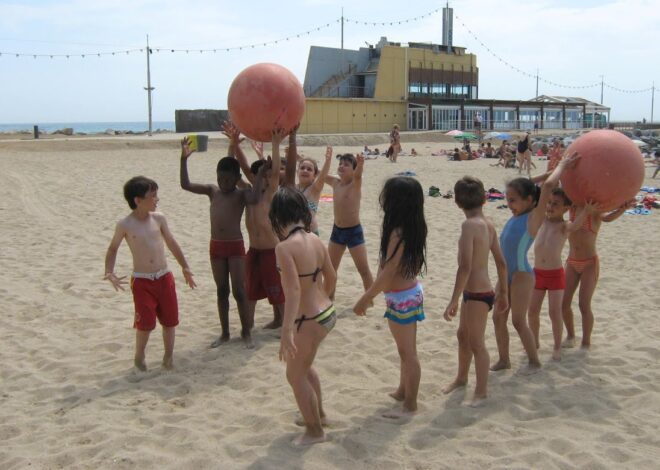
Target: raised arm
x,y
359,169
175,249
291,159
582,213
274,177
233,134
317,186
465,248
111,257
291,287
196,188
258,148
616,213
550,183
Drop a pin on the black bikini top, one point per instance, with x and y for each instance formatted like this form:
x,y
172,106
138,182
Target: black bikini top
x,y
317,270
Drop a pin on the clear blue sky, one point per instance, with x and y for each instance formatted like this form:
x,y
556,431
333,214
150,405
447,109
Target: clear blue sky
x,y
571,42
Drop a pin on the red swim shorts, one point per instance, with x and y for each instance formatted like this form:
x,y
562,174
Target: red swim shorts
x,y
550,279
224,249
155,298
262,278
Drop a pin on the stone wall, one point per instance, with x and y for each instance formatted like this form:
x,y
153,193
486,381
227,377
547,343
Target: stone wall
x,y
199,120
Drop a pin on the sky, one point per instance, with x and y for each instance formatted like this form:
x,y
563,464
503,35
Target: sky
x,y
570,43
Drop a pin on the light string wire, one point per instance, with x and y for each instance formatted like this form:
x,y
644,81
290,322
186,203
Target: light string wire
x,y
543,79
319,28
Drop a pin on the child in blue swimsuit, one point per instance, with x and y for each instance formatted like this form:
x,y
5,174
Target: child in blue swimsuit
x,y
515,240
402,258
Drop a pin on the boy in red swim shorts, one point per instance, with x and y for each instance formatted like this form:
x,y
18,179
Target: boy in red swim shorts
x,y
550,230
152,283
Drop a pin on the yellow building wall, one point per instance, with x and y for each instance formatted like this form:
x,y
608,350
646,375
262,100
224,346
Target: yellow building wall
x,y
336,116
391,80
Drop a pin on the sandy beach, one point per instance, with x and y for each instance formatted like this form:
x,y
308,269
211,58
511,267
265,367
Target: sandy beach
x,y
70,398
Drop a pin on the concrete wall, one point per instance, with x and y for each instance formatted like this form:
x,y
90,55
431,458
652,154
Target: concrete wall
x,y
323,63
199,120
328,116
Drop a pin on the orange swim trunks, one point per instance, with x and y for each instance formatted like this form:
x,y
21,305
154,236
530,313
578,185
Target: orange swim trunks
x,y
225,249
550,279
154,296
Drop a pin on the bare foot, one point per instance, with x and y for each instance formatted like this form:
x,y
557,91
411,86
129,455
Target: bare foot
x,y
500,365
398,394
477,401
305,440
556,355
247,342
301,422
568,343
168,363
140,365
453,386
220,341
585,345
529,369
399,414
274,325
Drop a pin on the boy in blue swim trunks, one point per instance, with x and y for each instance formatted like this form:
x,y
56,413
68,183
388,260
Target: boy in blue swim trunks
x,y
347,231
478,239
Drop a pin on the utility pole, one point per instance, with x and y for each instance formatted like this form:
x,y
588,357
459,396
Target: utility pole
x,y
602,83
342,28
652,100
149,88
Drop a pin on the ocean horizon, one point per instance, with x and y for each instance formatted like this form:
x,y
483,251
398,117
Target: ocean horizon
x,y
88,127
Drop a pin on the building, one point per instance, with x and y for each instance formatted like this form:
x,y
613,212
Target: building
x,y
422,86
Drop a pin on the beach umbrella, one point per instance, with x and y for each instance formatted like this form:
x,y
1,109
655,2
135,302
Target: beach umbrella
x,y
454,132
504,136
466,135
492,135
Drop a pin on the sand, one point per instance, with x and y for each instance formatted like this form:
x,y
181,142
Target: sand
x,y
70,399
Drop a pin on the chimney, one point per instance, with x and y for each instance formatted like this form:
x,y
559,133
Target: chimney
x,y
447,27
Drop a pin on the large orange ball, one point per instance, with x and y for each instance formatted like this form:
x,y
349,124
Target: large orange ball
x,y
609,172
263,97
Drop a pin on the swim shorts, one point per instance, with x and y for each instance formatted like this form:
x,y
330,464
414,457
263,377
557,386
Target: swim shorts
x,y
550,279
225,249
347,236
262,278
154,296
405,306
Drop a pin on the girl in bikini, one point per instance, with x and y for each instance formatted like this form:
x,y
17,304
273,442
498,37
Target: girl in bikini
x,y
308,278
402,259
515,240
582,268
311,182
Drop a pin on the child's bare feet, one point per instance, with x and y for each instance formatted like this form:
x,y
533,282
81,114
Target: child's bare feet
x,y
274,325
399,414
585,344
556,355
398,394
501,364
247,341
168,363
530,369
477,401
307,440
453,386
301,422
140,364
220,341
568,343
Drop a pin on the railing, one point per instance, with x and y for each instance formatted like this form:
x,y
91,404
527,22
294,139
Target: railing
x,y
341,91
512,125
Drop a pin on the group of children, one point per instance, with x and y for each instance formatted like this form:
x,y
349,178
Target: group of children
x,y
288,264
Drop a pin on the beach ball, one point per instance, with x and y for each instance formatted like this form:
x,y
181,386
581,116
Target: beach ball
x,y
610,170
263,97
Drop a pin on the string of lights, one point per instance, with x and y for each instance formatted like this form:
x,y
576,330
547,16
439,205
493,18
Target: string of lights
x,y
543,79
313,30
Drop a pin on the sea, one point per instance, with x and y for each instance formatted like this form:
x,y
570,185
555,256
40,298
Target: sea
x,y
89,127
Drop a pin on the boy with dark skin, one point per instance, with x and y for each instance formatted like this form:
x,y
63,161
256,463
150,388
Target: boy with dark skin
x,y
226,249
262,277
